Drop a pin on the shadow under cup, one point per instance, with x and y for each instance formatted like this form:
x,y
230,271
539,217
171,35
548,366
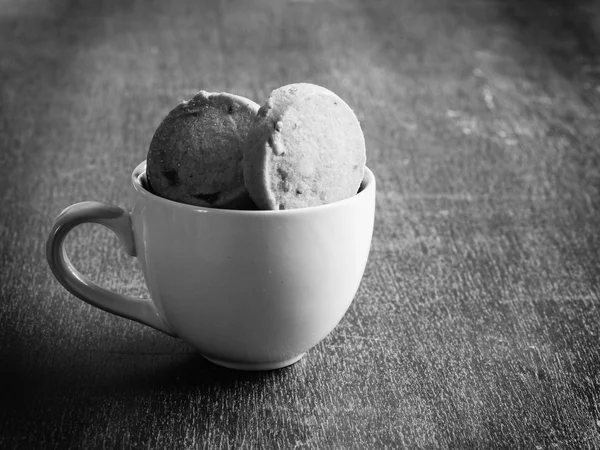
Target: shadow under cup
x,y
251,290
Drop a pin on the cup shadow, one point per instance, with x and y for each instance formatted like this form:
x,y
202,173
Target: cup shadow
x,y
130,372
89,384
95,392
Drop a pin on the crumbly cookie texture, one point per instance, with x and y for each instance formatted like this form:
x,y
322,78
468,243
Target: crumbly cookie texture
x,y
196,153
305,148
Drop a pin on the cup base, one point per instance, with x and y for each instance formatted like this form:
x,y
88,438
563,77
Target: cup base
x,y
255,366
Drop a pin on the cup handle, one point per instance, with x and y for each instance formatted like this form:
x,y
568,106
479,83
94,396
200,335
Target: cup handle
x,y
119,221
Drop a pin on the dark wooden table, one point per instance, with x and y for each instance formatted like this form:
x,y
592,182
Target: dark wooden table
x,y
477,324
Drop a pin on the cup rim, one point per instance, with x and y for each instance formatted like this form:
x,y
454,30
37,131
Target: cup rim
x,y
367,186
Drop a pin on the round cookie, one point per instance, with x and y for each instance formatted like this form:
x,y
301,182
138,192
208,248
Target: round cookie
x,y
305,148
195,156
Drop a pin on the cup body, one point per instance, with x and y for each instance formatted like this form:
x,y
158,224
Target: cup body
x,y
252,289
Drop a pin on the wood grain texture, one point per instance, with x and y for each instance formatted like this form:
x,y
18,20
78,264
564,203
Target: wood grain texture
x,y
477,322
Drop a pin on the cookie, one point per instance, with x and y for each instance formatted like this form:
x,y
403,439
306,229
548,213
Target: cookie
x,y
195,156
305,148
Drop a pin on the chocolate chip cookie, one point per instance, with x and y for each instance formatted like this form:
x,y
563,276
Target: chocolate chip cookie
x,y
305,148
196,153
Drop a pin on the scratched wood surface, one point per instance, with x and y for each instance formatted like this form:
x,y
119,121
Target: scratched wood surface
x,y
477,323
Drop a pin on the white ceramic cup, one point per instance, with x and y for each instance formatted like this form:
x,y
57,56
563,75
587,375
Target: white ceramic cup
x,y
251,290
